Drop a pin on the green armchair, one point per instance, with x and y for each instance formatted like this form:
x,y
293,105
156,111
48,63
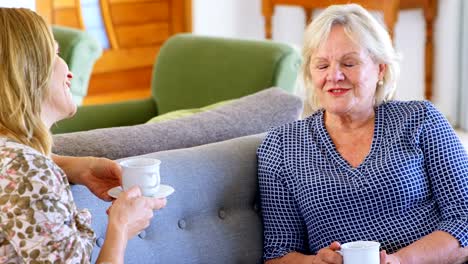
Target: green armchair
x,y
80,50
194,71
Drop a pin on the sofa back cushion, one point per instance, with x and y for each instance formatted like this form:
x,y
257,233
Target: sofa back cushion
x,y
248,115
213,215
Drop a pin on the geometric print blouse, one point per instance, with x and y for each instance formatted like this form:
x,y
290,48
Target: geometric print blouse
x,y
413,181
39,221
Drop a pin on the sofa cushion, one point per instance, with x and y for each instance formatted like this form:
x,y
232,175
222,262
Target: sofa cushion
x,y
248,115
213,215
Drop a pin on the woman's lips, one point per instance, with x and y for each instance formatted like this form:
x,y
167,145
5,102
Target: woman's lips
x,y
338,91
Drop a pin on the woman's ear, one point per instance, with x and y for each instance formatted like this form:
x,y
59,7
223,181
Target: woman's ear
x,y
382,69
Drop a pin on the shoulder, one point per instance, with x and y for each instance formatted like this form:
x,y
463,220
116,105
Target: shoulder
x,y
407,107
291,132
37,200
408,111
299,127
26,167
13,154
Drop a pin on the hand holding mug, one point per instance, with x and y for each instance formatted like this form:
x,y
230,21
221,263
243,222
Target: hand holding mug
x,y
329,254
388,259
133,212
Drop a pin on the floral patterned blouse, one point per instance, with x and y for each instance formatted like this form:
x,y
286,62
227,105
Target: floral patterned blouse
x,y
39,221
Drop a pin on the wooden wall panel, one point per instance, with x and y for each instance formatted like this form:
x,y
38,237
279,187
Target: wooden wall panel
x,y
125,59
106,83
64,4
140,12
136,29
142,35
67,17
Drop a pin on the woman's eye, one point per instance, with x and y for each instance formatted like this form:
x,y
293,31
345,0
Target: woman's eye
x,y
322,66
348,65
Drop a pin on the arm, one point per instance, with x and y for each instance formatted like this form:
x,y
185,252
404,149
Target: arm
x,y
284,227
98,174
45,226
446,163
438,247
128,215
325,255
292,257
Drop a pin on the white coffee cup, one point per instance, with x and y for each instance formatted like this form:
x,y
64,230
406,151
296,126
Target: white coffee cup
x,y
142,172
361,252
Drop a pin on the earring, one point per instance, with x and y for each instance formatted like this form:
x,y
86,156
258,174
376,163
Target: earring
x,y
380,83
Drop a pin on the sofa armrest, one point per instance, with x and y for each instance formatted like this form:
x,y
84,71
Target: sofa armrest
x,y
108,115
80,51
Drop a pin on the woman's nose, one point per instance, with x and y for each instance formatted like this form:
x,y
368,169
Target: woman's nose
x,y
334,73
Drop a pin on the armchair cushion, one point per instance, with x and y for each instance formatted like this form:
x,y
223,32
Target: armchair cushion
x,y
186,112
245,116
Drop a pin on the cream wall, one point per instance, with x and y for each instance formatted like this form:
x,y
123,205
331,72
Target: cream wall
x,y
242,18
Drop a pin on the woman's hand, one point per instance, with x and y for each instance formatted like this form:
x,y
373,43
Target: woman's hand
x,y
329,255
98,174
388,259
132,212
128,215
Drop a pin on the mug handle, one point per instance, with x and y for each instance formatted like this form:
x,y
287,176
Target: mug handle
x,y
156,181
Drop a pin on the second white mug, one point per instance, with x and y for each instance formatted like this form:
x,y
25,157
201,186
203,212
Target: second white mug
x,y
361,252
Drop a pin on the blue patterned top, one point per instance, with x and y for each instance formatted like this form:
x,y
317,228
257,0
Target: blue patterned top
x,y
413,181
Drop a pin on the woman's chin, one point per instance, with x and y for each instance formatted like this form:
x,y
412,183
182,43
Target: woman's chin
x,y
72,112
338,108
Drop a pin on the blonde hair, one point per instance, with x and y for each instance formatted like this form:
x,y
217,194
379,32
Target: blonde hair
x,y
363,28
27,54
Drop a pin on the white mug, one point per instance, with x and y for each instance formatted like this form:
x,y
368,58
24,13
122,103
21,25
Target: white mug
x,y
142,172
360,252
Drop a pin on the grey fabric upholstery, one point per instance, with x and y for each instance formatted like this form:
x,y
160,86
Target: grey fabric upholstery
x,y
212,217
248,115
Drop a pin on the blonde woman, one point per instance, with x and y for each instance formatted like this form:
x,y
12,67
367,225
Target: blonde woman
x,y
362,166
39,221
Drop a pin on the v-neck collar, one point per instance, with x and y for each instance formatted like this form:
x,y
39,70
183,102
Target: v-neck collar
x,y
376,139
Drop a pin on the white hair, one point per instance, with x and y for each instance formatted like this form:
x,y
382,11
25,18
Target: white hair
x,y
363,28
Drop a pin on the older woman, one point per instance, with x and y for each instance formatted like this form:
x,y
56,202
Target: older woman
x,y
39,221
362,166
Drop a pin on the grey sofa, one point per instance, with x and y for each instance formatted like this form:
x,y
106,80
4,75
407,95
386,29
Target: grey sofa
x,y
213,215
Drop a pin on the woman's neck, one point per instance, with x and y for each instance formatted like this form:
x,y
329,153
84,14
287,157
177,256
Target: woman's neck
x,y
349,122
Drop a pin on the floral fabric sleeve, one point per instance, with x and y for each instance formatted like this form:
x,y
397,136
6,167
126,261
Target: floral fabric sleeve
x,y
39,221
